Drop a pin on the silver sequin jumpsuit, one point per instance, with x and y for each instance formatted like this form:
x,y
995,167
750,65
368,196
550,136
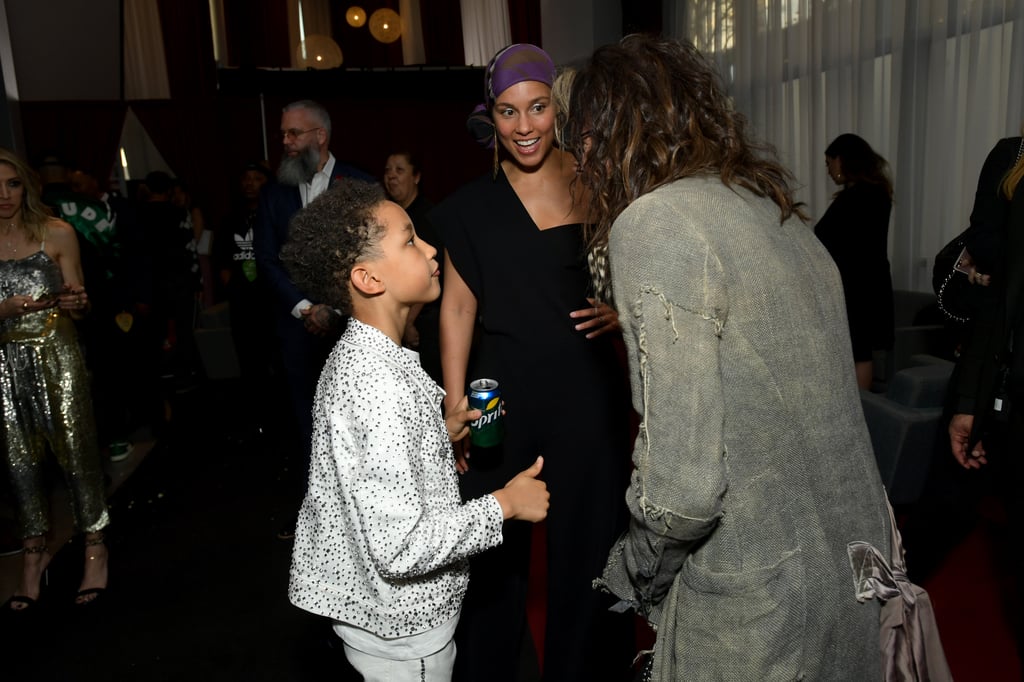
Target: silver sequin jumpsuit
x,y
45,401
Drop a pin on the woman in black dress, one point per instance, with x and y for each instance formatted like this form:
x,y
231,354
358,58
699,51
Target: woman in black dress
x,y
515,262
855,230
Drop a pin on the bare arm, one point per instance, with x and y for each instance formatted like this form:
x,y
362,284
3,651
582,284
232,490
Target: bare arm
x,y
458,316
62,239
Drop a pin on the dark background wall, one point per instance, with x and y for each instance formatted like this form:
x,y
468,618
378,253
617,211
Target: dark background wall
x,y
66,49
372,113
70,100
216,119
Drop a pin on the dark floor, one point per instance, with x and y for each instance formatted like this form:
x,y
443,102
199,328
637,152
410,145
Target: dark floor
x,y
198,579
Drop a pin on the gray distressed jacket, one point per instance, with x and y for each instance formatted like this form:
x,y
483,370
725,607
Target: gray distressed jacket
x,y
754,467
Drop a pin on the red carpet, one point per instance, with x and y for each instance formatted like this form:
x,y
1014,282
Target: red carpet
x,y
967,592
537,596
538,591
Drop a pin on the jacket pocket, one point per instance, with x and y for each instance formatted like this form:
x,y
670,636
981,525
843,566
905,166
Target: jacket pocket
x,y
741,626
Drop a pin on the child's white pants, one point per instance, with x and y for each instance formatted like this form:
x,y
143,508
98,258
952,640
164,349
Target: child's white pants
x,y
436,667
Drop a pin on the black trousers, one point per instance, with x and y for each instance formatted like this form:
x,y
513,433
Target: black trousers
x,y
303,355
586,470
948,509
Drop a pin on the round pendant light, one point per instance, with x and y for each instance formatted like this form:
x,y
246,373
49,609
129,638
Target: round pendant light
x,y
318,52
386,25
355,16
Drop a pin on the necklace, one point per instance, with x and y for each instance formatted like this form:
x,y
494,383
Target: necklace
x,y
9,230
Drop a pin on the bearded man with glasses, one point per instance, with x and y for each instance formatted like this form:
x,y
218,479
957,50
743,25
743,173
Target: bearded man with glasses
x,y
305,329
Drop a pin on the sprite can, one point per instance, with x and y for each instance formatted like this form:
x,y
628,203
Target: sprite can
x,y
489,429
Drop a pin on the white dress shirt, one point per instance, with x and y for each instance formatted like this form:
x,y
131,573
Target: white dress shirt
x,y
319,183
308,191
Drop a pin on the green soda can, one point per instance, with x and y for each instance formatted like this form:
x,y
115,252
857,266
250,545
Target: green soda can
x,y
489,429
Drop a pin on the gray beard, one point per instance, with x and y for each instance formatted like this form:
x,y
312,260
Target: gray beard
x,y
298,170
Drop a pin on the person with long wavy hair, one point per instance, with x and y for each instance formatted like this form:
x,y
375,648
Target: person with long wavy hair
x,y
44,389
855,230
753,466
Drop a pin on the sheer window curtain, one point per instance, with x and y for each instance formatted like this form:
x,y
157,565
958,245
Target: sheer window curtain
x,y
145,65
485,29
307,18
413,51
927,82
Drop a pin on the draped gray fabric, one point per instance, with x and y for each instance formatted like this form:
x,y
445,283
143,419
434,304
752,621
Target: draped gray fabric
x,y
908,636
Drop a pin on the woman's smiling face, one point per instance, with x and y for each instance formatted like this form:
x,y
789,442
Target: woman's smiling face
x,y
400,179
525,121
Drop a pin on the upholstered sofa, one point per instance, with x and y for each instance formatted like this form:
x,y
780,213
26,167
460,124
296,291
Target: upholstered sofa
x,y
904,423
919,329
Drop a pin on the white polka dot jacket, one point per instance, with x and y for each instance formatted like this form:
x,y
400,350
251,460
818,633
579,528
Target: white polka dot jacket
x,y
383,538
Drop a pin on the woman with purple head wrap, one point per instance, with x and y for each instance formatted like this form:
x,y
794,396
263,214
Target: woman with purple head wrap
x,y
515,261
514,64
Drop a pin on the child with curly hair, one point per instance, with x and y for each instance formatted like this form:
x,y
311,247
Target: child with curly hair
x,y
383,538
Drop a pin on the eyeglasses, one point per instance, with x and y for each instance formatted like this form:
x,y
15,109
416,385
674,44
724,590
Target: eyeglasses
x,y
295,133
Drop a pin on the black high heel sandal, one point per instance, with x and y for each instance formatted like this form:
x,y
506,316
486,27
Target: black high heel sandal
x,y
27,604
92,595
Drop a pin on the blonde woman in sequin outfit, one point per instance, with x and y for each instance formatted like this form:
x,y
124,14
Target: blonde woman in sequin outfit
x,y
44,390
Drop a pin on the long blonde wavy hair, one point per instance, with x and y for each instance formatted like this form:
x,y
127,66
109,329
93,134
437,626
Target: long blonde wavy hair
x,y
1014,175
34,213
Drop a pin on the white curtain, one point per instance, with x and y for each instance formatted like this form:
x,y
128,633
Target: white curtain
x,y
220,38
927,83
413,51
485,29
140,154
307,18
145,64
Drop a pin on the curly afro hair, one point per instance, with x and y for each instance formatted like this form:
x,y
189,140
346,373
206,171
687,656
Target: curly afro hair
x,y
330,235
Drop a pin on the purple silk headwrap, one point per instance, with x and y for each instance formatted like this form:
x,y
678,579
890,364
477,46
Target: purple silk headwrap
x,y
513,64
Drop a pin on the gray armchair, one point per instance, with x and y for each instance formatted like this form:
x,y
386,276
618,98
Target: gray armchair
x,y
919,329
904,425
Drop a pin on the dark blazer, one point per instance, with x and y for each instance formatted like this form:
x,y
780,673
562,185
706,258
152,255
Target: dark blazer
x,y
302,353
997,308
990,210
278,204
